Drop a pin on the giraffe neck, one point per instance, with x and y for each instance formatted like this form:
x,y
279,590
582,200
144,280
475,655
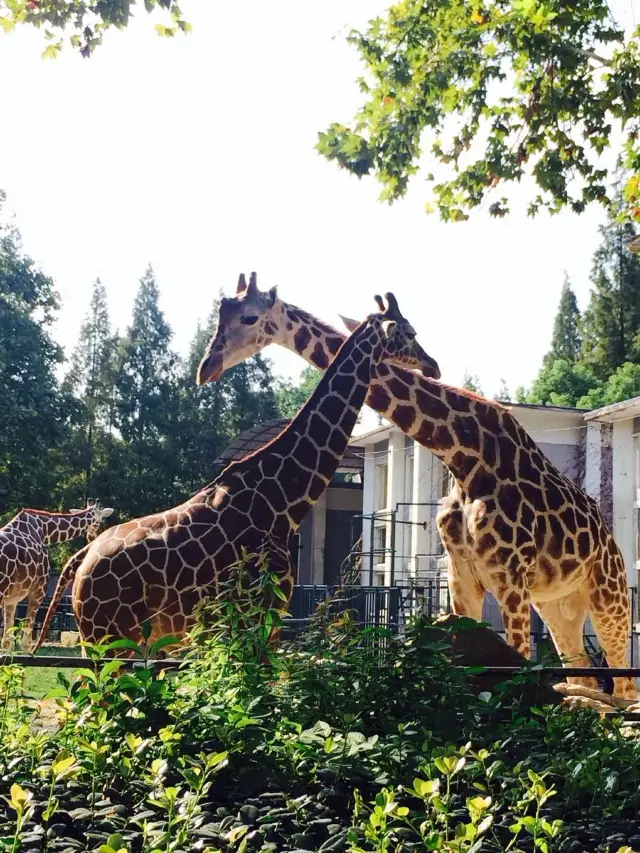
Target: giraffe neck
x,y
59,526
303,459
452,423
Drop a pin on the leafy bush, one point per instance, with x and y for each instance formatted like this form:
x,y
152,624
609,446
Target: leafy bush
x,y
342,740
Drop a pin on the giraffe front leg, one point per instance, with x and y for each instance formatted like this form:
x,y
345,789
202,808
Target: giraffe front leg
x,y
9,614
515,605
33,605
565,618
466,591
467,594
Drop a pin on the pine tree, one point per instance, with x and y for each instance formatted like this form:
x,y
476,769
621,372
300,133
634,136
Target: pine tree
x,y
566,340
147,406
611,323
91,379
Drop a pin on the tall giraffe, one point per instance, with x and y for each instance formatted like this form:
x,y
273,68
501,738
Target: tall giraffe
x,y
512,525
157,568
24,559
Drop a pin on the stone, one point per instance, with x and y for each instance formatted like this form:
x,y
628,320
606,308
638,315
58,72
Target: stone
x,y
248,814
476,645
69,639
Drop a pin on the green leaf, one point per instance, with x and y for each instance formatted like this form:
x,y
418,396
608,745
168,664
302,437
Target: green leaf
x,y
125,643
162,643
88,674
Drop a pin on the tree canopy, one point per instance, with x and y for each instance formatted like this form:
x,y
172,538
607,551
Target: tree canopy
x,y
85,20
494,91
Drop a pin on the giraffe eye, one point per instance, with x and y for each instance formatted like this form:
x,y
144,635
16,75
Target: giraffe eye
x,y
249,321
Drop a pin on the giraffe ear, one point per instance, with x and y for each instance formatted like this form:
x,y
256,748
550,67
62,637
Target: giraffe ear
x,y
388,326
351,325
106,512
272,295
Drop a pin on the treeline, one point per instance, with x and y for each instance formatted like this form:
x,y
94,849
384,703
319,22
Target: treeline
x,y
126,423
594,359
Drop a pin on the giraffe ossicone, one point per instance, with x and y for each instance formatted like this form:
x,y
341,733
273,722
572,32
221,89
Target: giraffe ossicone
x,y
512,525
156,569
24,560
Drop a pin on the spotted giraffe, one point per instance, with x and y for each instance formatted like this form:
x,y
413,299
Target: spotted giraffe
x,y
24,560
512,525
159,567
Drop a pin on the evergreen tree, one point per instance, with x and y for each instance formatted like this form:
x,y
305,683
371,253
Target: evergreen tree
x,y
34,412
91,379
611,323
147,406
565,340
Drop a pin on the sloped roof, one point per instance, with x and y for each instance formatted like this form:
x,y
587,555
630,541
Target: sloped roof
x,y
257,436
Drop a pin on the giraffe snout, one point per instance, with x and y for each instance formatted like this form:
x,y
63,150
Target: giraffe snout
x,y
210,368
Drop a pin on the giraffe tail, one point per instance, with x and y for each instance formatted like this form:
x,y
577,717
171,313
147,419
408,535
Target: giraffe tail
x,y
66,577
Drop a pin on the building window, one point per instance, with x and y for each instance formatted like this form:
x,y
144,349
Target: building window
x,y
381,479
380,544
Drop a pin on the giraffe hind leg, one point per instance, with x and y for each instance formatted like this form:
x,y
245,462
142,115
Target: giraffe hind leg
x,y
611,620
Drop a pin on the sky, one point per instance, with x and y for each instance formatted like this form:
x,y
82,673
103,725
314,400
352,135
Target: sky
x,y
196,154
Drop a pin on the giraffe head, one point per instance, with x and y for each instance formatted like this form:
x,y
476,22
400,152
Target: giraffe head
x,y
252,319
245,326
400,346
97,517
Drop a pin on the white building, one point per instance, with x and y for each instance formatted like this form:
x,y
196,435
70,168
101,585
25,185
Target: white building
x,y
404,483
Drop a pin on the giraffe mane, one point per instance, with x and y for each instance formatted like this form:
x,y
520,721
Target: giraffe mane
x,y
471,395
55,511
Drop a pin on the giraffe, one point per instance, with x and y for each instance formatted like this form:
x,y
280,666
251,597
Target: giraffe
x,y
24,560
512,524
157,568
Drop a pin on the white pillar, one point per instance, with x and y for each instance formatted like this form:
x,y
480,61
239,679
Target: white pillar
x,y
319,535
368,506
624,495
592,456
395,495
420,538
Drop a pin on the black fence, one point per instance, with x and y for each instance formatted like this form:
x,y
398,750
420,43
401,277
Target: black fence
x,y
370,606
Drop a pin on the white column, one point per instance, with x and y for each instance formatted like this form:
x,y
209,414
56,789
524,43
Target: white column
x,y
422,474
592,455
368,506
395,495
319,535
624,495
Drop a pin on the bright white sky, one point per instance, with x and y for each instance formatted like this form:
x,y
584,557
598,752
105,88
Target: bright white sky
x,y
197,154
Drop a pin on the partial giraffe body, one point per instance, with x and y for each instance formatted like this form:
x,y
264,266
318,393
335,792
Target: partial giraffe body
x,y
513,525
156,569
24,560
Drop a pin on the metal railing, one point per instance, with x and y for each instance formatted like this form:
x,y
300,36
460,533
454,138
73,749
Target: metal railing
x,y
369,606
